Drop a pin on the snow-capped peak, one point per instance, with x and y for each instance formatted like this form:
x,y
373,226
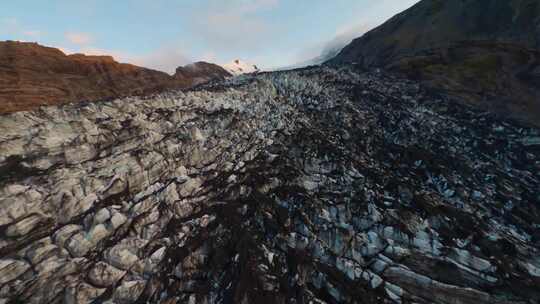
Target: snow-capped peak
x,y
238,67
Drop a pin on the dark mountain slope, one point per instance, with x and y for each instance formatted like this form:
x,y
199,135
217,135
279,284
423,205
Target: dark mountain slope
x,y
484,52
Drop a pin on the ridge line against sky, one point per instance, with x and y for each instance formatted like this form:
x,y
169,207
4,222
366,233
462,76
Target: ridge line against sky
x,y
164,34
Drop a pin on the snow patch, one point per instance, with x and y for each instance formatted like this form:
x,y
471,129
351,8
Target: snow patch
x,y
238,67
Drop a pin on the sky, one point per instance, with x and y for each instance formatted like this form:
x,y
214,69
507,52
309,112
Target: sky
x,y
164,34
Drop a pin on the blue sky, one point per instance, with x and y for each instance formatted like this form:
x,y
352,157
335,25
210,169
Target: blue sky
x,y
163,34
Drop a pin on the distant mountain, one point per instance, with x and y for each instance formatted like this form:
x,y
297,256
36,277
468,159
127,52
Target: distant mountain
x,y
32,75
238,67
200,72
483,51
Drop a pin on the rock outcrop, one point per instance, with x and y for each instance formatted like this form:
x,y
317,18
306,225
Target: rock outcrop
x,y
312,186
484,53
32,75
200,72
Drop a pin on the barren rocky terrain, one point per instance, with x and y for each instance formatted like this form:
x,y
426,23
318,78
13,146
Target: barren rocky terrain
x,y
322,185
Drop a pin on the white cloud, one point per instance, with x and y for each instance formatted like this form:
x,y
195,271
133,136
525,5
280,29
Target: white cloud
x,y
165,59
234,25
209,57
65,50
32,33
79,38
378,13
322,51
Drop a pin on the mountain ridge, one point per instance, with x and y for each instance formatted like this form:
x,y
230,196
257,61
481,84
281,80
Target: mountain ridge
x,y
32,75
486,51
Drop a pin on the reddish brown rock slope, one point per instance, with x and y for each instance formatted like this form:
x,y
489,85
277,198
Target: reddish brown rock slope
x,y
32,75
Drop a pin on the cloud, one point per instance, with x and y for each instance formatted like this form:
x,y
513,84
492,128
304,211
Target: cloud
x,y
209,56
235,25
65,50
323,51
345,35
12,29
32,33
165,59
79,38
378,13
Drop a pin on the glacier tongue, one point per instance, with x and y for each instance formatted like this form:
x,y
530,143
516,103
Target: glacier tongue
x,y
322,185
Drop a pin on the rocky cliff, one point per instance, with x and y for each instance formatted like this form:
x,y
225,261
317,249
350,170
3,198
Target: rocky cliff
x,y
32,75
312,186
484,53
200,72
